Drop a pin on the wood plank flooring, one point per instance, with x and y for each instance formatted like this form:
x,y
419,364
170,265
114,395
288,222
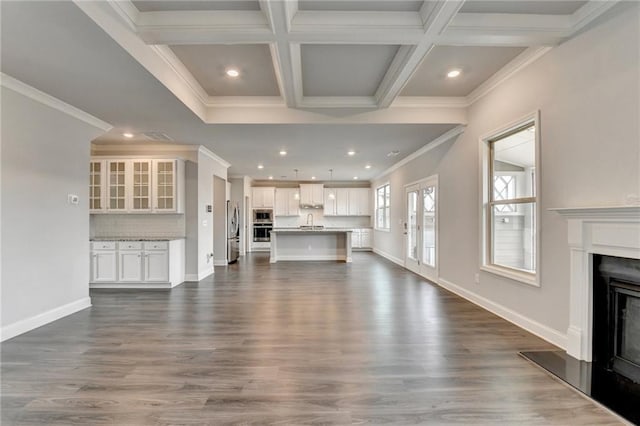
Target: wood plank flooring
x,y
289,343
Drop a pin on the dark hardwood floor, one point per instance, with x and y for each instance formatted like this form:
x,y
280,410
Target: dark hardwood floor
x,y
290,343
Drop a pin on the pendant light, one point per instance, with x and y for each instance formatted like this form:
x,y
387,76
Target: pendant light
x,y
332,195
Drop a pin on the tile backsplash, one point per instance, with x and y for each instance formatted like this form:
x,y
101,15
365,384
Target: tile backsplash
x,y
137,225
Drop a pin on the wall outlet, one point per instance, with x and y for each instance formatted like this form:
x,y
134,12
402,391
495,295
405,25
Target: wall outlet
x,y
73,199
477,278
205,223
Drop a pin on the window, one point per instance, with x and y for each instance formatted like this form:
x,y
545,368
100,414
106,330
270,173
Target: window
x,y
383,196
510,202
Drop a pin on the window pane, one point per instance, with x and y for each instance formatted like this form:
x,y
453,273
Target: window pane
x,y
514,164
514,237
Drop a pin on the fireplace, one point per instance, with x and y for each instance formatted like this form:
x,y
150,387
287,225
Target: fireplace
x,y
616,332
602,357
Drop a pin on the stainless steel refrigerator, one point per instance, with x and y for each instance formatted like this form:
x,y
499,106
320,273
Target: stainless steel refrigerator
x,y
233,231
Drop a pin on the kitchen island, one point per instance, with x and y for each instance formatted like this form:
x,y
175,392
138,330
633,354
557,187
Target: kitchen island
x,y
310,244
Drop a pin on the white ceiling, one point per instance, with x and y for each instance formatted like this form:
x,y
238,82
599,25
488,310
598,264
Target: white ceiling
x,y
344,69
115,63
209,62
477,64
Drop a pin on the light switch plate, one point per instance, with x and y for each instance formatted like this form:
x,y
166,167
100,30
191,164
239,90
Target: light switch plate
x,y
73,199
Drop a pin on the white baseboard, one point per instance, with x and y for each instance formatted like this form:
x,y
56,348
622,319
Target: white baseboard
x,y
544,332
387,256
132,285
28,324
197,277
219,262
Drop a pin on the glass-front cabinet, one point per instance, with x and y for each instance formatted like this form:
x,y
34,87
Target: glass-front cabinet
x,y
136,186
96,182
141,185
165,185
117,178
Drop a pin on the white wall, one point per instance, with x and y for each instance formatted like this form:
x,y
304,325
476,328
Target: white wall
x,y
587,91
45,156
208,167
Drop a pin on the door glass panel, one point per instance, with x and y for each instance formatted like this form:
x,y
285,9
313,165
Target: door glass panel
x,y
117,185
140,185
429,226
165,176
412,225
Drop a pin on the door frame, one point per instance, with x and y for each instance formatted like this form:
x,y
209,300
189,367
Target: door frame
x,y
418,266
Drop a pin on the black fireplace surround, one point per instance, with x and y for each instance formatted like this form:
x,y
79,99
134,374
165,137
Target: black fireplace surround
x,y
616,332
613,378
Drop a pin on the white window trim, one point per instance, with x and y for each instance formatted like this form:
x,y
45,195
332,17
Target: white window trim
x,y
375,218
524,277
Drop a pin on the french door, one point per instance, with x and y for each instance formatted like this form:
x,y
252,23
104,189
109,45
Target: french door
x,y
421,242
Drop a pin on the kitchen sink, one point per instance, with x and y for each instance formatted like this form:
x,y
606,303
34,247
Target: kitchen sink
x,y
311,228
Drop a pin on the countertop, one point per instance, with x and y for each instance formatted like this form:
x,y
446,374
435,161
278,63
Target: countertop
x,y
135,238
313,231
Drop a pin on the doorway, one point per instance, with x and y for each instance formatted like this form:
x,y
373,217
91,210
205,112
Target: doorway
x,y
421,228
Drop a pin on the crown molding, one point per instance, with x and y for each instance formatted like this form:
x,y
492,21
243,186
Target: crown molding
x,y
426,148
430,102
55,103
208,153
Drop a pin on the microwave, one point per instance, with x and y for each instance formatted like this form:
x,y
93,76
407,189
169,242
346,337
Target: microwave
x,y
262,216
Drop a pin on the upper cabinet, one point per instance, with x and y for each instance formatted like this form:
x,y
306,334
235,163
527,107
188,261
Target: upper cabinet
x,y
311,195
287,202
136,186
347,202
262,197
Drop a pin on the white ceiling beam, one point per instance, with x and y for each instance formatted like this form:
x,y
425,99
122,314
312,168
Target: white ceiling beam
x,y
274,114
150,57
287,61
435,18
356,27
204,27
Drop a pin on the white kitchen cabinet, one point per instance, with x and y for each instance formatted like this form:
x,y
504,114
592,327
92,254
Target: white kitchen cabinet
x,y
136,264
156,266
287,202
359,202
329,202
361,238
140,185
311,194
130,266
97,193
342,201
169,188
262,197
103,262
118,185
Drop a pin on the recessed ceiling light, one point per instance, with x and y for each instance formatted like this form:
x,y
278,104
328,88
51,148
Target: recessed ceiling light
x,y
368,166
313,178
453,73
127,135
393,153
355,177
283,152
270,177
260,166
351,153
231,72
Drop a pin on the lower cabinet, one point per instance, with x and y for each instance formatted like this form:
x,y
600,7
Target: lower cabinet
x,y
361,239
135,264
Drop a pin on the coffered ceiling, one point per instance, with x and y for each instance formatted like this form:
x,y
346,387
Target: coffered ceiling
x,y
317,77
335,54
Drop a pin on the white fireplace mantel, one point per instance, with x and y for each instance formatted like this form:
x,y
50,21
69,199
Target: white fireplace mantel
x,y
613,231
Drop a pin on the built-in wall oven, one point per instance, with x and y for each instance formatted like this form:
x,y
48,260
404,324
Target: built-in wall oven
x,y
262,216
262,232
